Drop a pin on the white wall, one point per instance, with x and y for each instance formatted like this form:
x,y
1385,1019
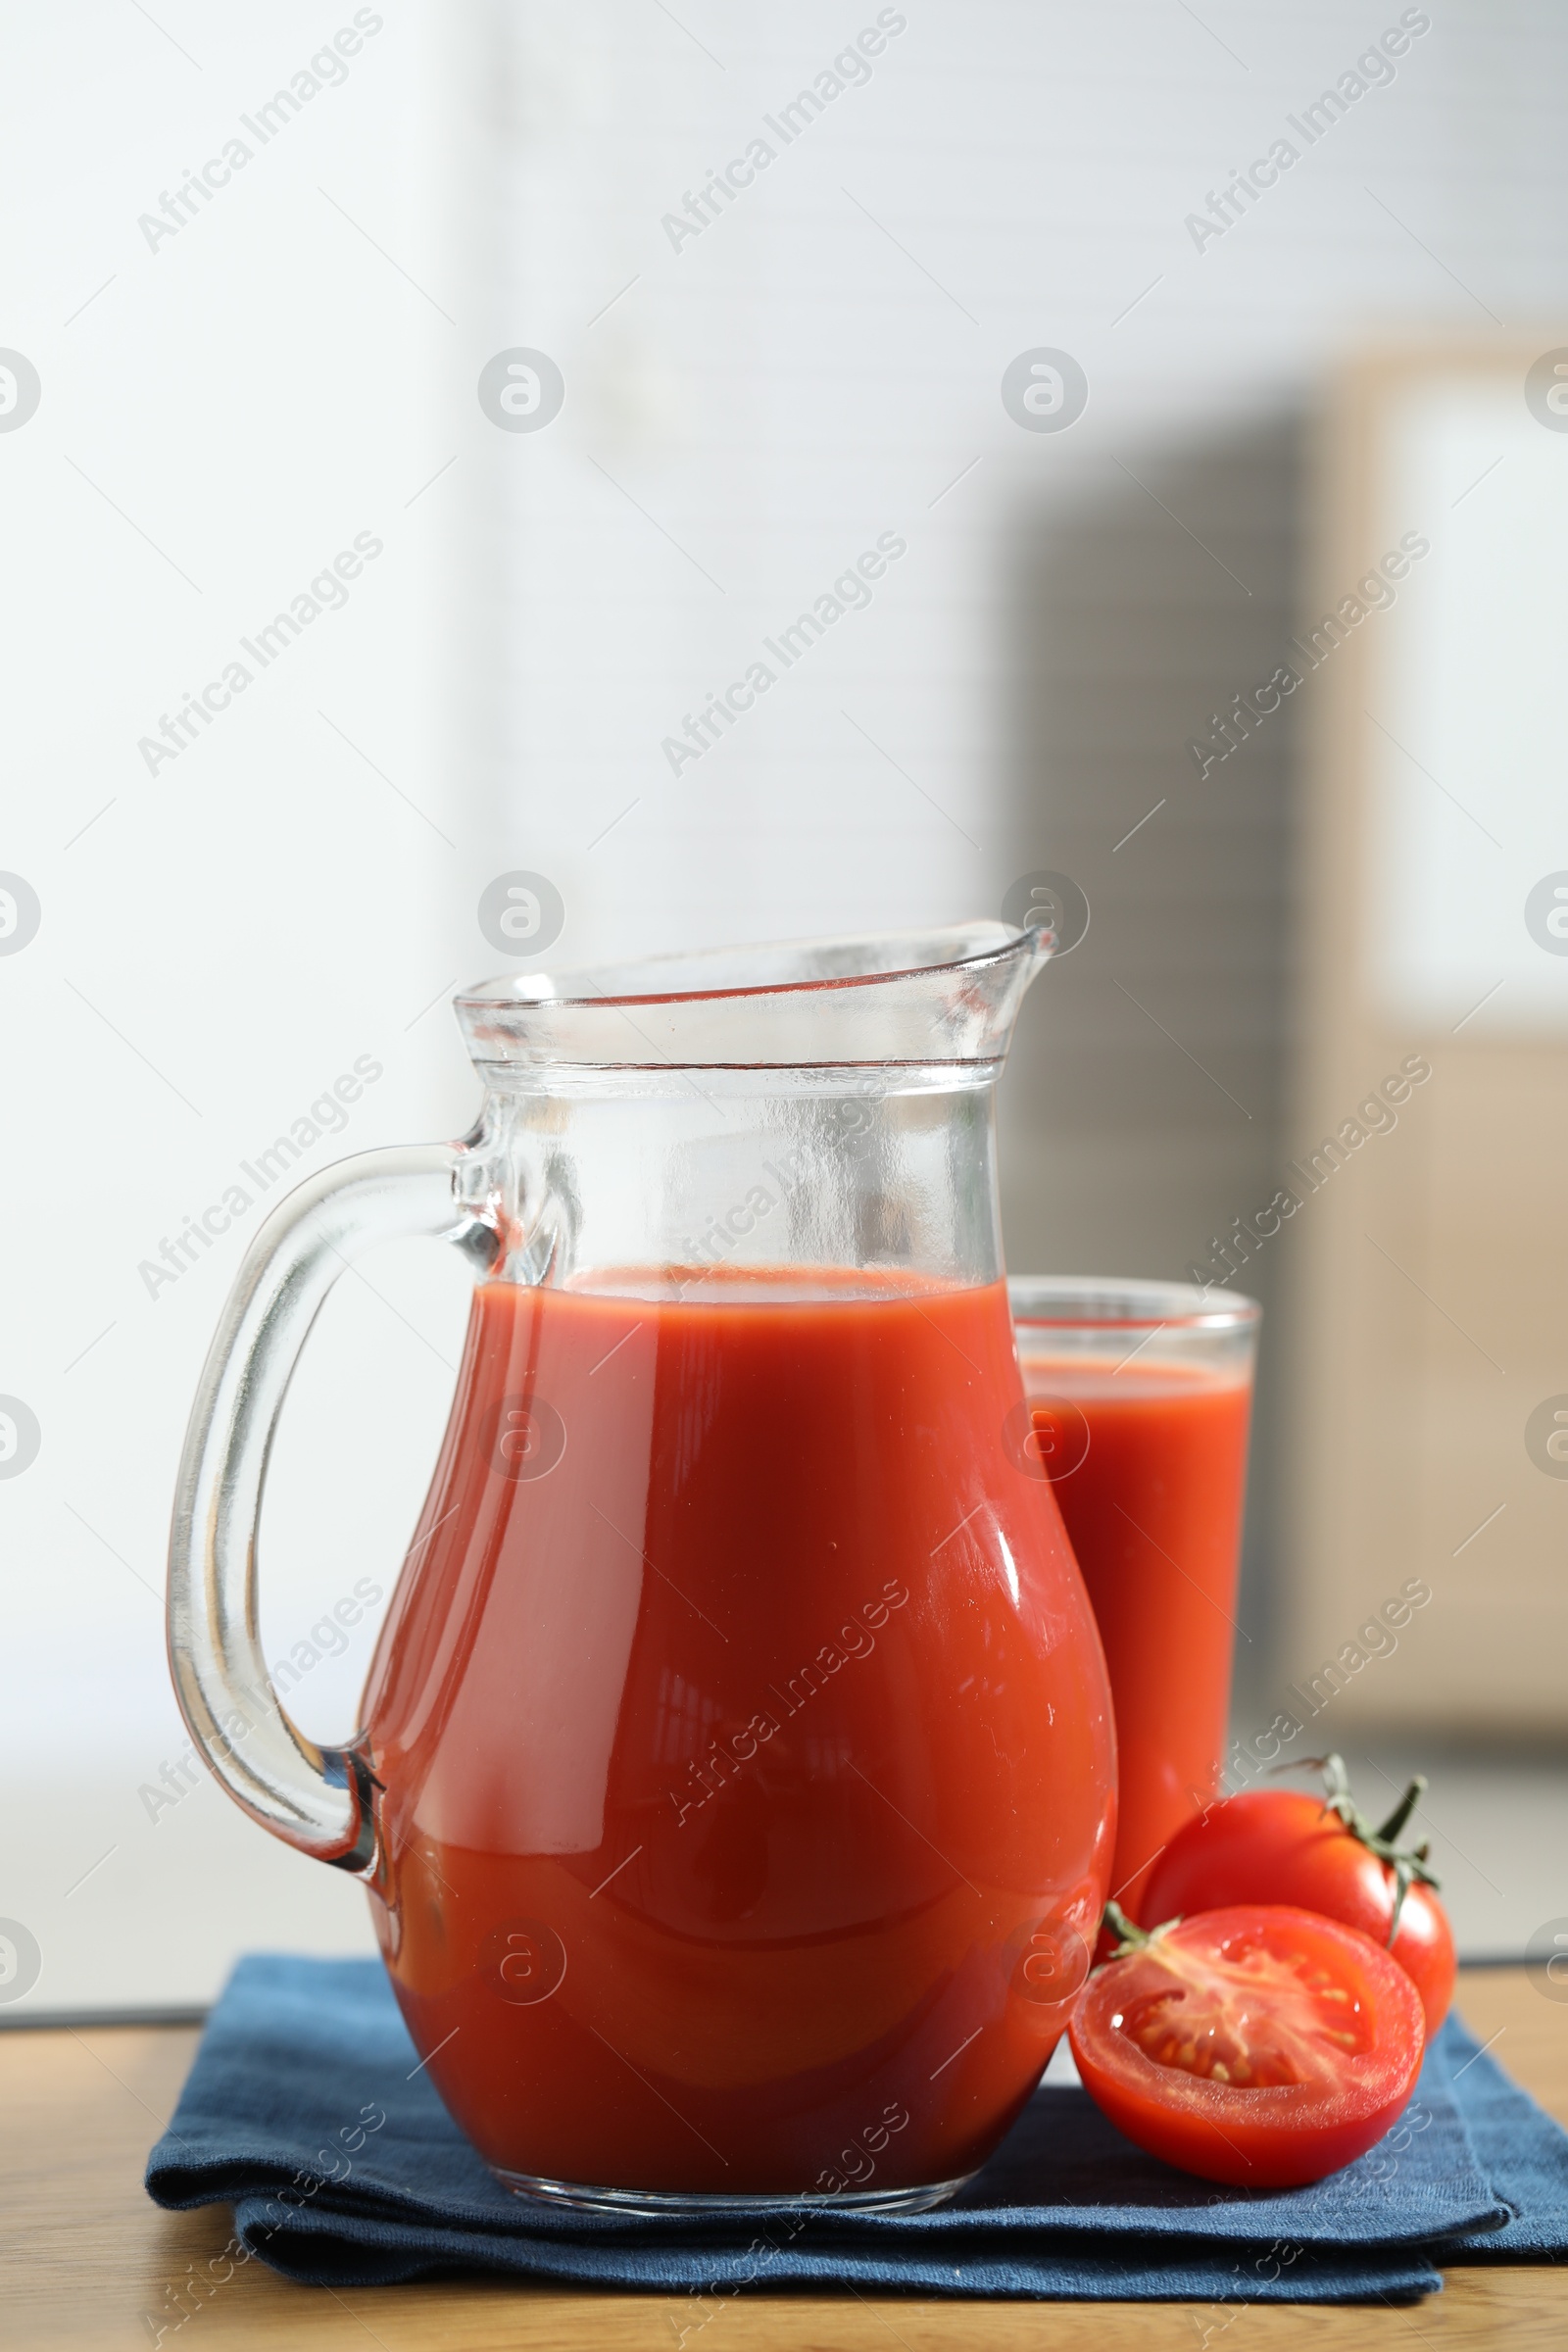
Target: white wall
x,y
220,415
221,937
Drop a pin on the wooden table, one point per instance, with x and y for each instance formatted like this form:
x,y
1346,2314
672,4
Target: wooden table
x,y
84,2257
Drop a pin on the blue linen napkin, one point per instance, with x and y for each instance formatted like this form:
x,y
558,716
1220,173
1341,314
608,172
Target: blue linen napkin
x,y
1523,2153
307,2111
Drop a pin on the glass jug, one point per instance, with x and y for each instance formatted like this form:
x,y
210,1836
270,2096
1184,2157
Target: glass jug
x,y
736,1790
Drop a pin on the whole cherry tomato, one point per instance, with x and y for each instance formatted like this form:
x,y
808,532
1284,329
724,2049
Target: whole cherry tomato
x,y
1260,2045
1282,1845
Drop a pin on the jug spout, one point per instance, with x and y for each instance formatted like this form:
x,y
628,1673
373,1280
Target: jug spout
x,y
903,999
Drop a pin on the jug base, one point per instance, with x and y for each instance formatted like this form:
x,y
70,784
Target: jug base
x,y
583,2199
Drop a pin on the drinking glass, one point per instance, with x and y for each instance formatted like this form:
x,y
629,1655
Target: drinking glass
x,y
1140,1400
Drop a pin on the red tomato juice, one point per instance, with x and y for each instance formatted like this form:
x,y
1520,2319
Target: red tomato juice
x,y
742,1727
1153,1511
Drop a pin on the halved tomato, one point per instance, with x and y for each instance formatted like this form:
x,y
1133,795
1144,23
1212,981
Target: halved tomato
x,y
1261,2045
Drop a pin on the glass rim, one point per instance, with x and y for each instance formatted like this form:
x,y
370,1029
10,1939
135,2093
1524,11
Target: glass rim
x,y
940,996
763,971
1124,1302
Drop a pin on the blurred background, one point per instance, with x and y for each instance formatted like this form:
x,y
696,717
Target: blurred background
x,y
1209,369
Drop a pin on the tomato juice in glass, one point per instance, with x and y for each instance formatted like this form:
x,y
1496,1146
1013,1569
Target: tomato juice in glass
x,y
806,1740
1141,1397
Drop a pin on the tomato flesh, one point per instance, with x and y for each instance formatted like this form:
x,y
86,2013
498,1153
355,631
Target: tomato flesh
x,y
1280,1846
1260,2045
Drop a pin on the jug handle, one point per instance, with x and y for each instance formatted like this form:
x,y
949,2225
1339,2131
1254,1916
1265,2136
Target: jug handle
x,y
319,1799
